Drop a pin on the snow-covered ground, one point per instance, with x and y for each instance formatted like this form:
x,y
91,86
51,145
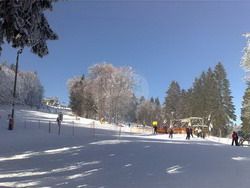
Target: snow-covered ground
x,y
90,154
26,118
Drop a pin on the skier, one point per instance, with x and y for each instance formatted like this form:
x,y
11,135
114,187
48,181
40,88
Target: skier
x,y
171,132
155,128
234,138
58,121
188,133
59,118
11,122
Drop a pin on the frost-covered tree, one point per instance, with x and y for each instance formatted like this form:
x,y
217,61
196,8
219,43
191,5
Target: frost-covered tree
x,y
23,24
245,111
6,81
100,76
108,89
29,88
245,59
112,90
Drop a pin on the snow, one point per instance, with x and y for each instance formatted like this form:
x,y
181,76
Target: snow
x,y
90,154
220,140
174,169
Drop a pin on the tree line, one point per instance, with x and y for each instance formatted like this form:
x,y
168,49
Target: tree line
x,y
209,97
108,93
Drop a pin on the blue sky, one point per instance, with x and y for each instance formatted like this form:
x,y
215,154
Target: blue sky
x,y
161,40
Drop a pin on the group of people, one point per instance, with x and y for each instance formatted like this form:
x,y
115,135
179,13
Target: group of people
x,y
170,131
199,132
189,132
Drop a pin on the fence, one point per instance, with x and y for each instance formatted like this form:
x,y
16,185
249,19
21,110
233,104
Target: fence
x,y
75,128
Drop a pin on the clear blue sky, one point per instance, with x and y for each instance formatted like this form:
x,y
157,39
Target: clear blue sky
x,y
161,40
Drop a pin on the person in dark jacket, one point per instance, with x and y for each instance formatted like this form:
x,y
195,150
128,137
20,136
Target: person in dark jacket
x,y
171,132
188,133
155,128
235,138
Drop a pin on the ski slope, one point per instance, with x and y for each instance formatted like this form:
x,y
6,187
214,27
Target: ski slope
x,y
90,154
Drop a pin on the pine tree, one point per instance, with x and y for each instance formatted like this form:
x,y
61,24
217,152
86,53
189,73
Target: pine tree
x,y
211,93
158,111
76,99
152,100
23,23
197,97
245,111
89,105
185,104
172,100
157,102
142,98
225,110
130,116
144,113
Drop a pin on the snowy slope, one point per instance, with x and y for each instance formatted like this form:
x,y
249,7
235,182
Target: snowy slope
x,y
88,154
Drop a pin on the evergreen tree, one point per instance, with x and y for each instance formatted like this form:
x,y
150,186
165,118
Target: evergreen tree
x,y
172,101
76,99
158,111
23,23
89,105
144,113
131,114
211,99
148,111
142,98
185,104
82,101
197,97
204,94
157,102
152,100
225,112
245,111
